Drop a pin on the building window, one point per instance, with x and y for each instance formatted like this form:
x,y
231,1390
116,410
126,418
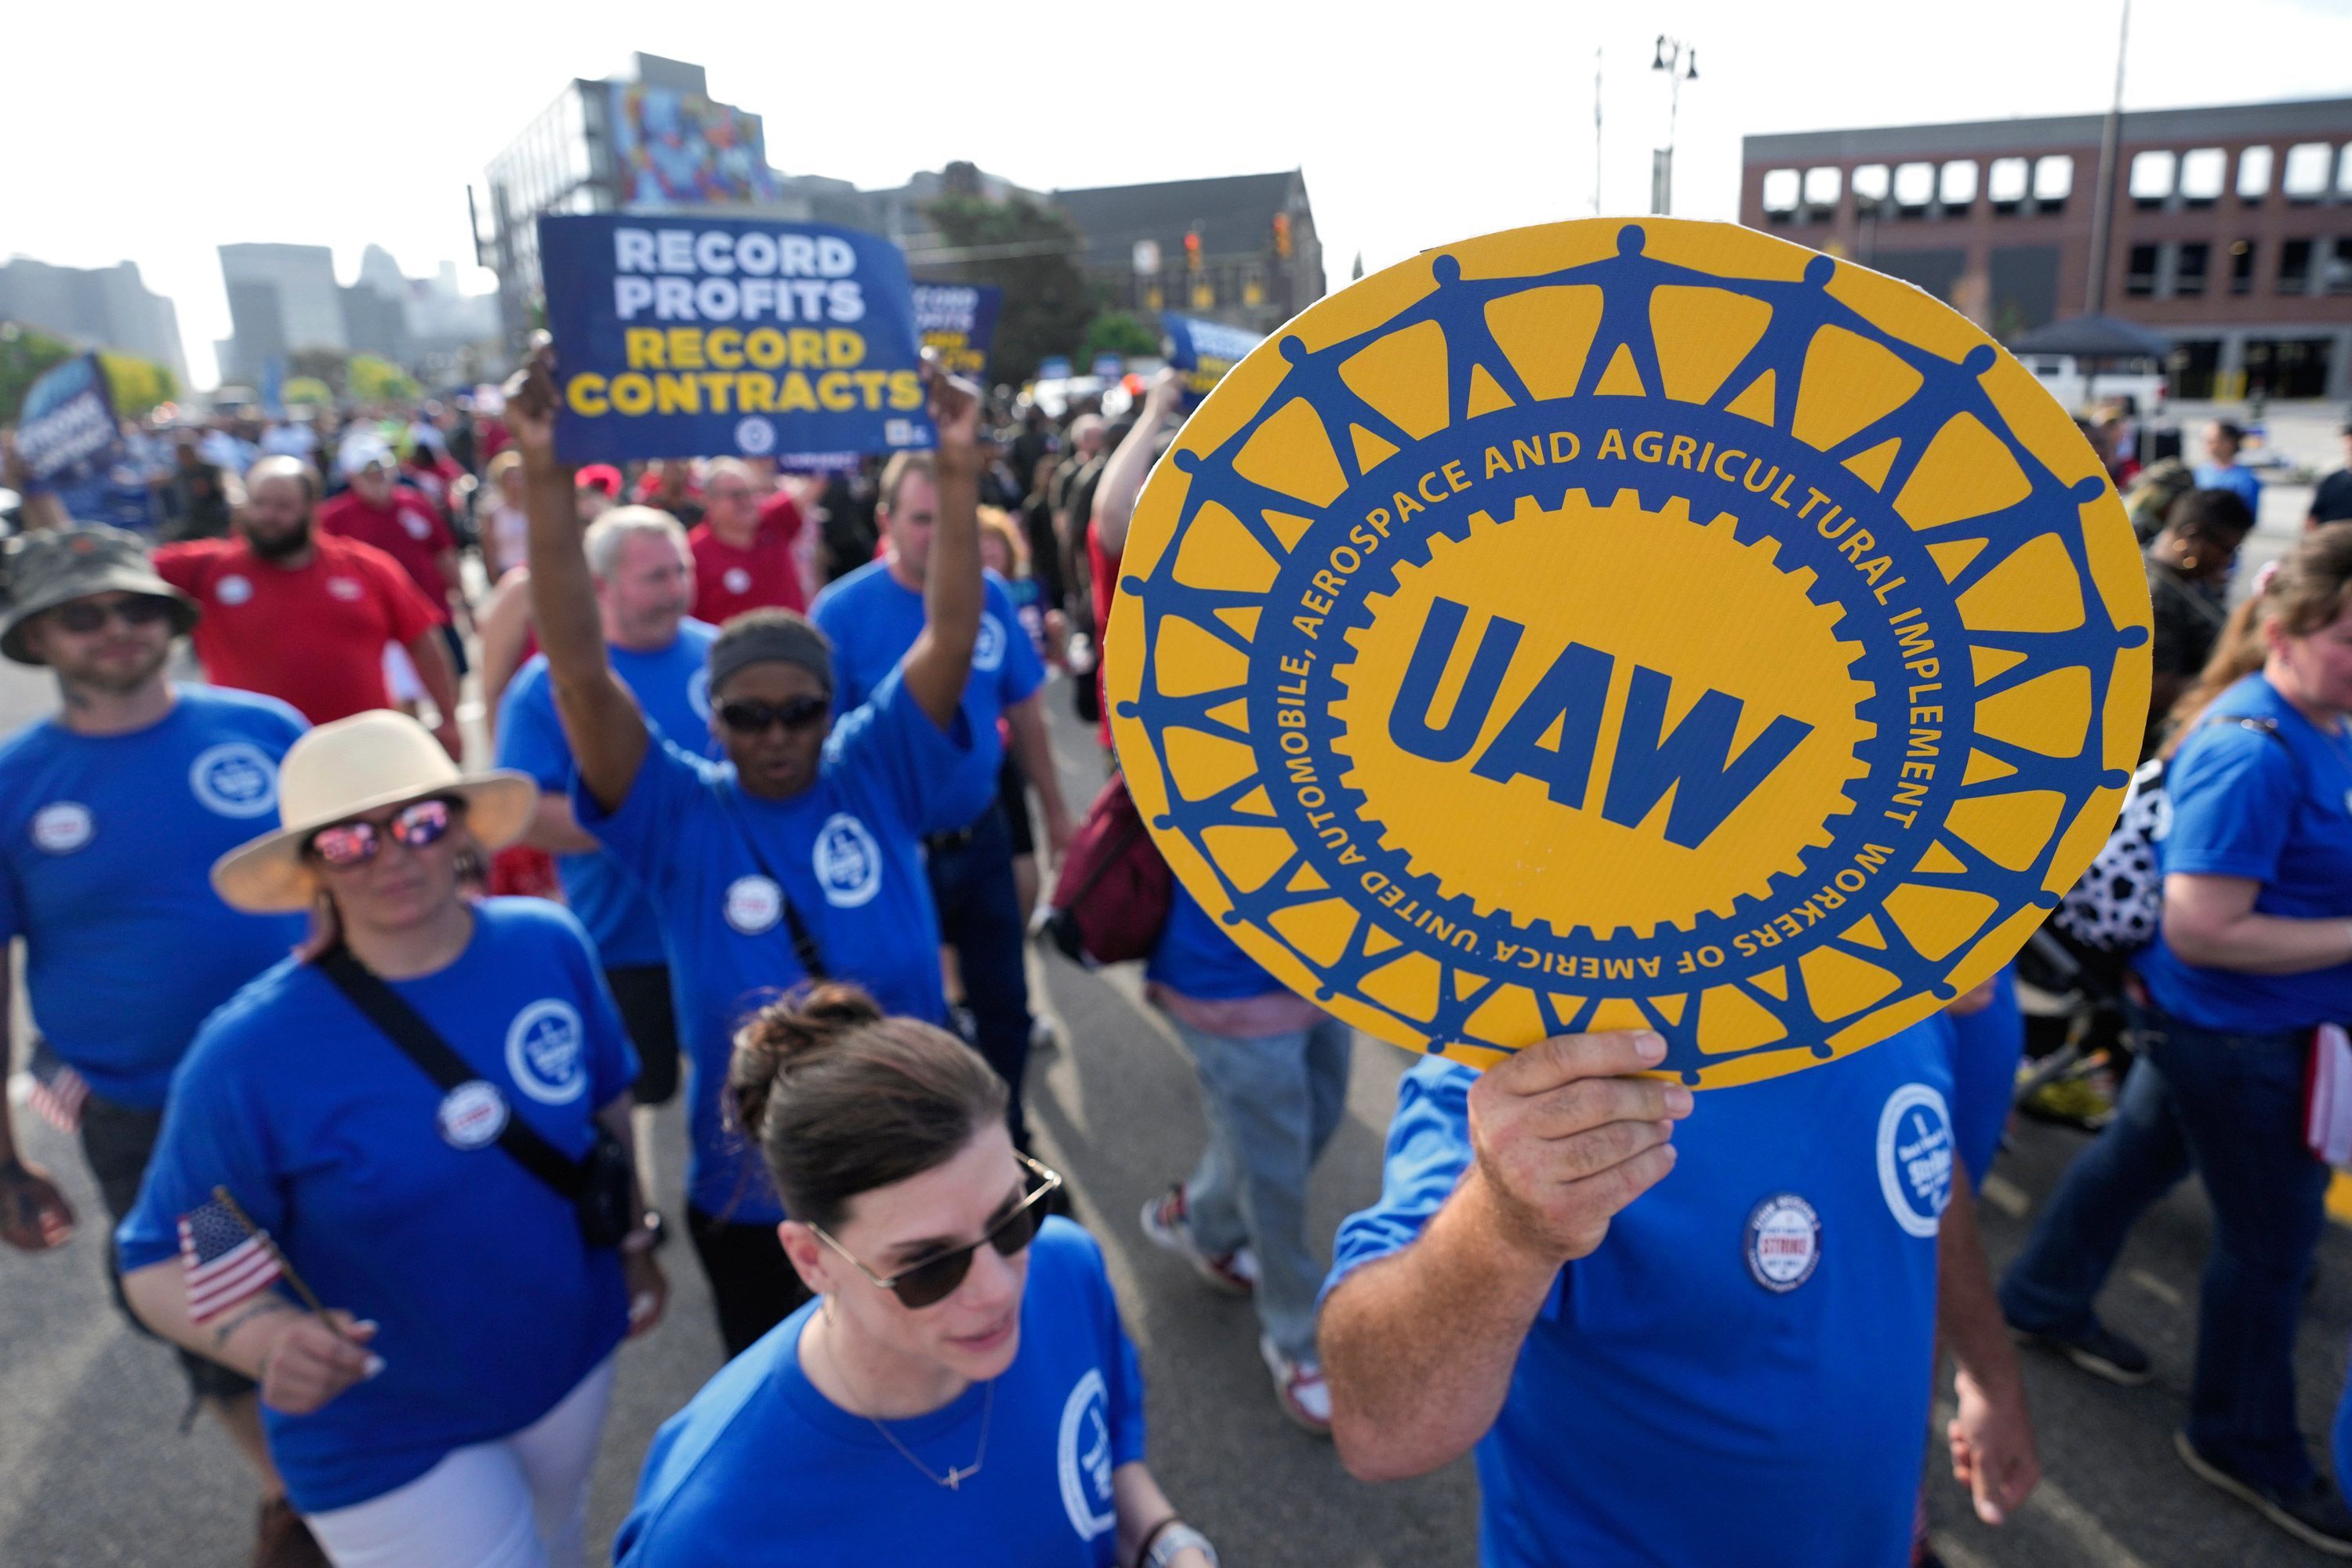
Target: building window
x,y
2338,278
2189,266
2201,173
1822,186
2006,185
2254,175
2151,177
2242,266
2344,172
1871,187
2306,172
2139,278
2295,267
1914,187
1782,187
2053,182
1957,189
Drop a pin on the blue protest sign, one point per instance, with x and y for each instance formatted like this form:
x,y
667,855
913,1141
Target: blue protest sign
x,y
693,336
1204,351
957,320
1110,367
67,423
72,446
1054,369
273,388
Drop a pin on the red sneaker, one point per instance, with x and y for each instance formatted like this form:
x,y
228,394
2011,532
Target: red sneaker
x,y
1164,1221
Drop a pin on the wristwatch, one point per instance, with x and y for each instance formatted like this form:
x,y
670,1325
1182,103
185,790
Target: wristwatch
x,y
1173,1539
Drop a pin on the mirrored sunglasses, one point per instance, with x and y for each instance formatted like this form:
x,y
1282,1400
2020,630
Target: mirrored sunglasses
x,y
348,844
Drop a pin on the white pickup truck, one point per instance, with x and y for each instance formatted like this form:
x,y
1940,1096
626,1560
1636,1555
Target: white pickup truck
x,y
2139,391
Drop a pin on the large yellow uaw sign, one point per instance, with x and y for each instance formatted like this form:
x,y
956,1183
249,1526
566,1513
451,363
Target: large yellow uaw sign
x,y
1619,623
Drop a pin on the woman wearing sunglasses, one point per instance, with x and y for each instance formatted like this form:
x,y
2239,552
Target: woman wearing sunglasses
x,y
445,1412
800,857
962,1388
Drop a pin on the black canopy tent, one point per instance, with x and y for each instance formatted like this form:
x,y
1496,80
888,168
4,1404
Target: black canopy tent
x,y
2092,338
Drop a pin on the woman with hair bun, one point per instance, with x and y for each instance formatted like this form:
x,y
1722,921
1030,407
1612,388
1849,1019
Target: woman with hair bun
x,y
961,1386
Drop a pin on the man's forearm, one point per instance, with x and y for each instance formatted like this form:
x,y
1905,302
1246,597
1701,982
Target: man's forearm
x,y
1966,1309
430,654
562,594
1405,1400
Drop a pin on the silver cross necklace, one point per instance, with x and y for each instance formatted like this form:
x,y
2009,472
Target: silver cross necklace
x,y
957,1474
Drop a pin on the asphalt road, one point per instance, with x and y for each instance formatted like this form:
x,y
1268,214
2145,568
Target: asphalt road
x,y
94,1469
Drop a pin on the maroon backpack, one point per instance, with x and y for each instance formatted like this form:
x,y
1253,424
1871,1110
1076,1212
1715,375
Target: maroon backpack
x,y
1110,901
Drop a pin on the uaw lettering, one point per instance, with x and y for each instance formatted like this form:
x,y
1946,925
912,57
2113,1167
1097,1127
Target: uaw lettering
x,y
1630,625
958,321
691,336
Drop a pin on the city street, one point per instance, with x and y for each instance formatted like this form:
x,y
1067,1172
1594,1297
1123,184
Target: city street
x,y
94,1468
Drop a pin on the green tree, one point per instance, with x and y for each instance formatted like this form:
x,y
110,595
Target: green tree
x,y
332,366
375,380
1120,332
309,389
137,384
1030,252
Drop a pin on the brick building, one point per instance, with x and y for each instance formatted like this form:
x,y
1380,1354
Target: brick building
x,y
2229,230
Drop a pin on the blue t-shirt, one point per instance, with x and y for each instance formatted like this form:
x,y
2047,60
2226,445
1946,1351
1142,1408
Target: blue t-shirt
x,y
2234,479
761,1469
1196,957
2276,810
1986,1046
673,690
849,851
107,844
394,1201
1740,1373
873,619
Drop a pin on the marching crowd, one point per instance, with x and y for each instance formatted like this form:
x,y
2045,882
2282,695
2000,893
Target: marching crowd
x,y
373,1126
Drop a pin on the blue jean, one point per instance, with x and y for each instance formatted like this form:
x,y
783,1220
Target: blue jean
x,y
2230,1108
979,917
1272,1103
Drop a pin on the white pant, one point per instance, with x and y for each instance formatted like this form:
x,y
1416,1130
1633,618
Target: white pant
x,y
519,1502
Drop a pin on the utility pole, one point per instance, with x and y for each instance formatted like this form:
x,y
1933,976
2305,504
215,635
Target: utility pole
x,y
1679,60
2103,203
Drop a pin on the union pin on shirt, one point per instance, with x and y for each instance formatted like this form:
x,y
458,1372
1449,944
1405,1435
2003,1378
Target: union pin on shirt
x,y
1630,624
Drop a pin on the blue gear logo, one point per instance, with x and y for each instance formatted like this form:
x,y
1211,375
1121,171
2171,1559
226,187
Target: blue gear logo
x,y
1630,625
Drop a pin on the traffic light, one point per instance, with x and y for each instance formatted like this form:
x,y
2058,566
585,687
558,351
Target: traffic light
x,y
1192,251
1282,235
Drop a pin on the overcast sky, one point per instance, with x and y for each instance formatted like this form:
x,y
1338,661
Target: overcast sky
x,y
154,133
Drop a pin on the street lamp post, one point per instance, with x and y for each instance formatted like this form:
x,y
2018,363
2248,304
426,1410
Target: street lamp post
x,y
1679,60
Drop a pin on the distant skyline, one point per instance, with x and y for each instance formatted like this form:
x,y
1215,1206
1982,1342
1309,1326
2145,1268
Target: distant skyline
x,y
164,134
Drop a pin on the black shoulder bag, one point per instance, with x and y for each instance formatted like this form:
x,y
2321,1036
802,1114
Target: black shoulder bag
x,y
600,1188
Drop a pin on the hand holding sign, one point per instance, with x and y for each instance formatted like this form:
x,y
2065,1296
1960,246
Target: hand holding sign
x,y
530,411
955,413
1566,1137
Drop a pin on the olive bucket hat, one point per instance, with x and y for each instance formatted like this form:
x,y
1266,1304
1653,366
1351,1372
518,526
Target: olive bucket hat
x,y
41,571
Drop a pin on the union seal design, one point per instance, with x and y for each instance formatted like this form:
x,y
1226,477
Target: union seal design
x,y
1616,624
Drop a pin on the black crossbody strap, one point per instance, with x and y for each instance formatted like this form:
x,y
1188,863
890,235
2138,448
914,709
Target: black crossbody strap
x,y
805,947
421,1044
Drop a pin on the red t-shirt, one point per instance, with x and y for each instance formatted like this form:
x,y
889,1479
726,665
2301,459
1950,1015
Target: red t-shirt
x,y
312,635
408,529
727,581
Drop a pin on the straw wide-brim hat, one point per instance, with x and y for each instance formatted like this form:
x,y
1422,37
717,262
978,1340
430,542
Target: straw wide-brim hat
x,y
353,765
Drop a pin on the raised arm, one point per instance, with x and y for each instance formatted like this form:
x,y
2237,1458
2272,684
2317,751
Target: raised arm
x,y
599,717
1562,1139
1122,478
936,668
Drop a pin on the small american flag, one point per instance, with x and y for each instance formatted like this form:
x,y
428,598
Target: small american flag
x,y
222,1260
53,1090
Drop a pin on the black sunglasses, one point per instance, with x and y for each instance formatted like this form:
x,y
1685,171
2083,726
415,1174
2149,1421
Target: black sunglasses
x,y
746,717
933,1281
83,616
349,844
